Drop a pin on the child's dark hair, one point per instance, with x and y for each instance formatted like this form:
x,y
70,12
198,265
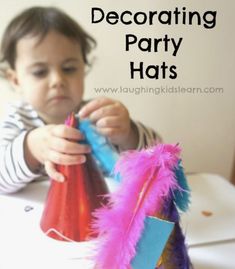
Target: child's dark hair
x,y
38,21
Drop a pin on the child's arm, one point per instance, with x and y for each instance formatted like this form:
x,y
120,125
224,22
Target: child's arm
x,y
20,138
112,120
14,173
147,136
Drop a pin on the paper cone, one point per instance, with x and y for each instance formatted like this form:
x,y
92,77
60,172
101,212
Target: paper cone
x,y
68,208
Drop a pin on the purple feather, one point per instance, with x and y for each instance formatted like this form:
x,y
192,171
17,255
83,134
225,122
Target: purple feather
x,y
175,255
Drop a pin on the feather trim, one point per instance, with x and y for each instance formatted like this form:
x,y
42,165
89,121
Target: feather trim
x,y
175,254
181,195
147,179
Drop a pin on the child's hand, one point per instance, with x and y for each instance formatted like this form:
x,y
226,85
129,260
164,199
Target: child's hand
x,y
55,144
112,119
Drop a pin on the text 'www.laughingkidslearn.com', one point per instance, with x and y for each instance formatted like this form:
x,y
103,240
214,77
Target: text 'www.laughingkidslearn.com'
x,y
159,90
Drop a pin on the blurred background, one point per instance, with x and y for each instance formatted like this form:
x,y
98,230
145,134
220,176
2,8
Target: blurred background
x,y
203,123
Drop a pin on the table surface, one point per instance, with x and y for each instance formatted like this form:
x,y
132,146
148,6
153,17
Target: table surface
x,y
211,217
211,239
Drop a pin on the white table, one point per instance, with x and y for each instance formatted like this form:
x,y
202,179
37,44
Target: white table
x,y
211,239
214,256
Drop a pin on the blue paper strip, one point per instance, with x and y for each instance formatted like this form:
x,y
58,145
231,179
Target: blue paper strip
x,y
152,242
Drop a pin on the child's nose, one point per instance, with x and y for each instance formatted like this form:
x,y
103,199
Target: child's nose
x,y
57,79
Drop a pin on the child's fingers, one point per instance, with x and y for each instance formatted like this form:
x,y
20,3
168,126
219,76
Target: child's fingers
x,y
67,132
65,159
110,121
68,147
52,172
93,106
109,110
111,133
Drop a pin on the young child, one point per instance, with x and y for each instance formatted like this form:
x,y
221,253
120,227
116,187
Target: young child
x,y
46,52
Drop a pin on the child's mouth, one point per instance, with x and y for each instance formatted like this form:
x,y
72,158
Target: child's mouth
x,y
58,98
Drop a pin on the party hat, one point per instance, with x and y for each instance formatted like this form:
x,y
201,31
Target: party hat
x,y
67,212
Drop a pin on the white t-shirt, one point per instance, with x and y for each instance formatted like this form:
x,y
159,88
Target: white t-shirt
x,y
20,119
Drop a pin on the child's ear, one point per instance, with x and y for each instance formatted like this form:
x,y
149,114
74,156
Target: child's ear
x,y
11,75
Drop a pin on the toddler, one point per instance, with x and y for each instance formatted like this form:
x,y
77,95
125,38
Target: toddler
x,y
46,53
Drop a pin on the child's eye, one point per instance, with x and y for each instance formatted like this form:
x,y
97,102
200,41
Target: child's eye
x,y
39,73
69,69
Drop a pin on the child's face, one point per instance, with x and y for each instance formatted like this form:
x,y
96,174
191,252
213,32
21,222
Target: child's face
x,y
50,75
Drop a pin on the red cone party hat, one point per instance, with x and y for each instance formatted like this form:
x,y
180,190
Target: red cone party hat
x,y
68,208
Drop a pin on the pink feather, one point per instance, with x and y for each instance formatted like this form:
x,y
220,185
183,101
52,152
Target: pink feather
x,y
147,178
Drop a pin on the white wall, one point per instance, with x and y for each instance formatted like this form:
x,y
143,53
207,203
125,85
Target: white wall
x,y
204,124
